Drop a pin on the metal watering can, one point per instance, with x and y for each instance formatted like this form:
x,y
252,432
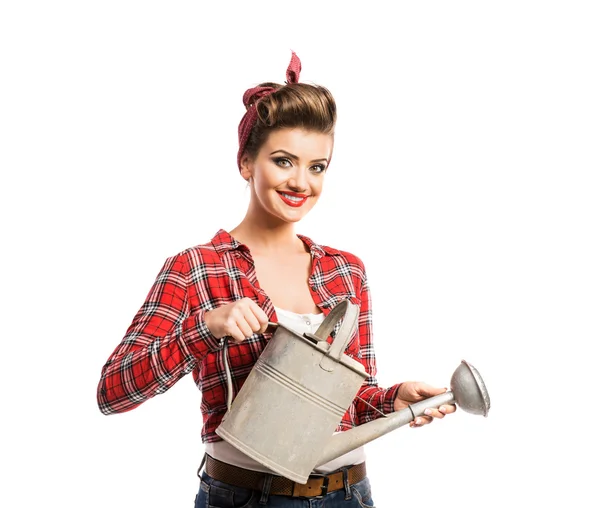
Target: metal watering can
x,y
291,403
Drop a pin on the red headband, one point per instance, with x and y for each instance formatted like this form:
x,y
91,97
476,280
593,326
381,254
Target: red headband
x,y
253,95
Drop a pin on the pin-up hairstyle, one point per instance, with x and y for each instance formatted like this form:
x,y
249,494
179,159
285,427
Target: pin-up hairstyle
x,y
271,106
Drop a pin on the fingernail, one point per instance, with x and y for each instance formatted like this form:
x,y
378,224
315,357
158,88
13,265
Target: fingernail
x,y
418,421
442,409
428,412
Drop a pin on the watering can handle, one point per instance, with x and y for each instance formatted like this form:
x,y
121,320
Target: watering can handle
x,y
349,312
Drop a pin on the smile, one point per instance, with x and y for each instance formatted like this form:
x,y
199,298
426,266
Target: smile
x,y
295,200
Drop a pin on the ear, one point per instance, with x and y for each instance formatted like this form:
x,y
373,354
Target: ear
x,y
247,167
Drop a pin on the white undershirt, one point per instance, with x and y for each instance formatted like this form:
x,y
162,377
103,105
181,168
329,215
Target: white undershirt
x,y
223,451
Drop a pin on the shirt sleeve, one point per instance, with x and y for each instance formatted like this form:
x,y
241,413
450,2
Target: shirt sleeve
x,y
162,344
371,400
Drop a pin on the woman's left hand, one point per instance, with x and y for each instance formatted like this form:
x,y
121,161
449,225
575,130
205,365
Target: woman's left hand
x,y
414,391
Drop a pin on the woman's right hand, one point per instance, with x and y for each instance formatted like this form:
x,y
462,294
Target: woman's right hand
x,y
239,320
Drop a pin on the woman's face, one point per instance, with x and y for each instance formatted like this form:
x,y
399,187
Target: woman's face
x,y
286,177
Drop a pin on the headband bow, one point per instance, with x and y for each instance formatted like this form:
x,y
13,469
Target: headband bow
x,y
253,95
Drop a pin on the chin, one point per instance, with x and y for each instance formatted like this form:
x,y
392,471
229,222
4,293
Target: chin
x,y
290,219
290,215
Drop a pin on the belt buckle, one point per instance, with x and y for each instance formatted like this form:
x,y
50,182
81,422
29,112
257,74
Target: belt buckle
x,y
324,486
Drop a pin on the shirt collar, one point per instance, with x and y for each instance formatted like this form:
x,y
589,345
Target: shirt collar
x,y
223,242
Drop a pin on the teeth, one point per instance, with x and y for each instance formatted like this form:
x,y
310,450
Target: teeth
x,y
292,198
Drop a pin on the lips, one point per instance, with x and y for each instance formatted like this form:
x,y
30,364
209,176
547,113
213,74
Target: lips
x,y
293,198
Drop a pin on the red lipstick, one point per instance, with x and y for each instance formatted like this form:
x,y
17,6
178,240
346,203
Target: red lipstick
x,y
292,198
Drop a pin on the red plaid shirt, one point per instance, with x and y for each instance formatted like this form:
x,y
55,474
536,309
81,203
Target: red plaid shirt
x,y
168,337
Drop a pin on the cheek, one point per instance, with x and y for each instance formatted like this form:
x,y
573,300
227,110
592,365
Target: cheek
x,y
317,186
267,178
260,182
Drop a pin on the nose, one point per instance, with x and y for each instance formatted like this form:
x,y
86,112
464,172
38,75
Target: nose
x,y
298,180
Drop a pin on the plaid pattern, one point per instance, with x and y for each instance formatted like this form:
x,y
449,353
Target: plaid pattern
x,y
168,337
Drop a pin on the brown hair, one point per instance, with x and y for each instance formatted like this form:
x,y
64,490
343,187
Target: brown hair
x,y
290,106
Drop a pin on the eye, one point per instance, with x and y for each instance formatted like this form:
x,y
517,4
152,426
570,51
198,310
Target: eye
x,y
283,162
318,168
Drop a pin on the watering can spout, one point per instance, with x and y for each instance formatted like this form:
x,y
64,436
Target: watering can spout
x,y
300,388
467,391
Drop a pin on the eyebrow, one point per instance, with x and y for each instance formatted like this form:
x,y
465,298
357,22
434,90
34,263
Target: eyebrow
x,y
295,157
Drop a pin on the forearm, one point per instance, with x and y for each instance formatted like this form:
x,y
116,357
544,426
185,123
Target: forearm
x,y
372,402
164,342
145,365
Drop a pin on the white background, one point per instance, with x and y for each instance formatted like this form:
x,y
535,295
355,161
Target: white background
x,y
465,176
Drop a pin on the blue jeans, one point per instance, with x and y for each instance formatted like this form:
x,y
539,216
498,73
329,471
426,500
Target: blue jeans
x,y
216,494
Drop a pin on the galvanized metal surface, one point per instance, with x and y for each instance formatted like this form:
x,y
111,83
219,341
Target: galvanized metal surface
x,y
295,396
289,407
467,391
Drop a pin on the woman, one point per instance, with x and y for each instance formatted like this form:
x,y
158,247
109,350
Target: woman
x,y
235,284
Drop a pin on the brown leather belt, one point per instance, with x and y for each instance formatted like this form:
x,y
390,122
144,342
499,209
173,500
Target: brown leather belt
x,y
317,485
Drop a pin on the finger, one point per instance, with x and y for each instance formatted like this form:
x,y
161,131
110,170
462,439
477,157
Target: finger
x,y
251,320
447,409
237,335
260,316
231,329
435,413
244,327
236,324
234,328
425,390
420,421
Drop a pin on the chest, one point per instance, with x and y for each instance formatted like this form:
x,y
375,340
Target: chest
x,y
285,281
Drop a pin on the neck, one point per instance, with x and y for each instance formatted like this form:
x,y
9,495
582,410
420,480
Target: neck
x,y
266,236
